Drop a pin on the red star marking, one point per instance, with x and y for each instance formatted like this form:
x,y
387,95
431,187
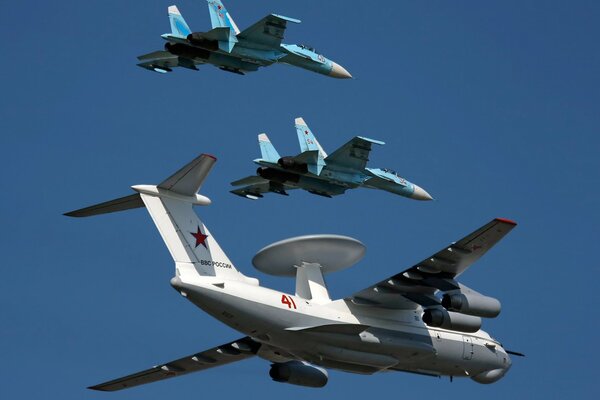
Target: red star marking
x,y
306,132
219,7
200,238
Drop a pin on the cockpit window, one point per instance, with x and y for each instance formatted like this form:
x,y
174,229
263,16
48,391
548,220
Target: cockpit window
x,y
390,171
307,47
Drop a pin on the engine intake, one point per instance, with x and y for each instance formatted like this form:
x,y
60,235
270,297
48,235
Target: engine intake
x,y
440,318
472,304
299,373
290,164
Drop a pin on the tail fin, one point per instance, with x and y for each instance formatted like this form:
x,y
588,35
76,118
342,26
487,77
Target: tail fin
x,y
178,25
307,140
219,17
194,250
267,150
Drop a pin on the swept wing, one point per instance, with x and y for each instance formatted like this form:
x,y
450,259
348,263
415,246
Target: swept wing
x,y
231,352
268,31
354,154
417,285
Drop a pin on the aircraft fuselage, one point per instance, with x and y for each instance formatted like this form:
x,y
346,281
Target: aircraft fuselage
x,y
394,339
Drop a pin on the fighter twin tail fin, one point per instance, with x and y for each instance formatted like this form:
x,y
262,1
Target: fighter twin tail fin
x,y
195,251
179,27
220,17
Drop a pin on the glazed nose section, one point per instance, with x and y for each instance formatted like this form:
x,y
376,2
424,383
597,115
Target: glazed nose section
x,y
420,194
337,71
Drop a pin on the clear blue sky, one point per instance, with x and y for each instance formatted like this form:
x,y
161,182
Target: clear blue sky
x,y
493,107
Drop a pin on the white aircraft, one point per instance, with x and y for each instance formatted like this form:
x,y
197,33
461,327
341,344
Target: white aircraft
x,y
420,320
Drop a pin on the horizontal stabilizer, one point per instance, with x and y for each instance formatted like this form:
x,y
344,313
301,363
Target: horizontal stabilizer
x,y
249,180
159,61
120,204
188,180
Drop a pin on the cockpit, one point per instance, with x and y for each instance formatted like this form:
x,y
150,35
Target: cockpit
x,y
307,47
390,171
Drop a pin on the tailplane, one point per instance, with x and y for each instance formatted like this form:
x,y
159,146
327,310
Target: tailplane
x,y
220,17
179,27
195,251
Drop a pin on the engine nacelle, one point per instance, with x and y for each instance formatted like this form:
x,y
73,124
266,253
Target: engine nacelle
x,y
290,164
440,318
299,373
198,39
472,304
276,175
180,49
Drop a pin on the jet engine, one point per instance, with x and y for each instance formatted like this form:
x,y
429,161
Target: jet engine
x,y
440,318
292,165
179,49
198,39
299,373
472,304
276,175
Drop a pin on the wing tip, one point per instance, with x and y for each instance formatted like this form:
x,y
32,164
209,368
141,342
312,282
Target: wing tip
x,y
209,156
506,220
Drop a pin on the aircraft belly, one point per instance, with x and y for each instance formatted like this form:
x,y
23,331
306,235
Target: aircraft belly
x,y
261,315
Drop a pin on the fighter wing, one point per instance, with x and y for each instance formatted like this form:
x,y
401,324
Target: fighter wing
x,y
418,284
268,31
255,186
354,154
215,357
163,61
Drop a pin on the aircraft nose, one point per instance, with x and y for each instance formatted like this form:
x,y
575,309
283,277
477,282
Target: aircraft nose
x,y
337,71
420,194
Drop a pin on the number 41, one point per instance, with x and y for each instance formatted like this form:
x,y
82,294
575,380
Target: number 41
x,y
288,301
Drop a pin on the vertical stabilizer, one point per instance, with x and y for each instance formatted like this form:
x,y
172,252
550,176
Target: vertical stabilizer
x,y
307,139
195,251
179,27
220,17
267,150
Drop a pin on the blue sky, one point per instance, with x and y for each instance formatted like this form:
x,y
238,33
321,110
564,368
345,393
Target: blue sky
x,y
493,107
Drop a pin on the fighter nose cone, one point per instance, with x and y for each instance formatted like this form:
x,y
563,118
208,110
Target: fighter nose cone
x,y
421,194
337,71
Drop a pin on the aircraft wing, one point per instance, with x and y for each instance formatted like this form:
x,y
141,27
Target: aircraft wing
x,y
215,357
268,31
163,61
354,154
255,186
418,285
